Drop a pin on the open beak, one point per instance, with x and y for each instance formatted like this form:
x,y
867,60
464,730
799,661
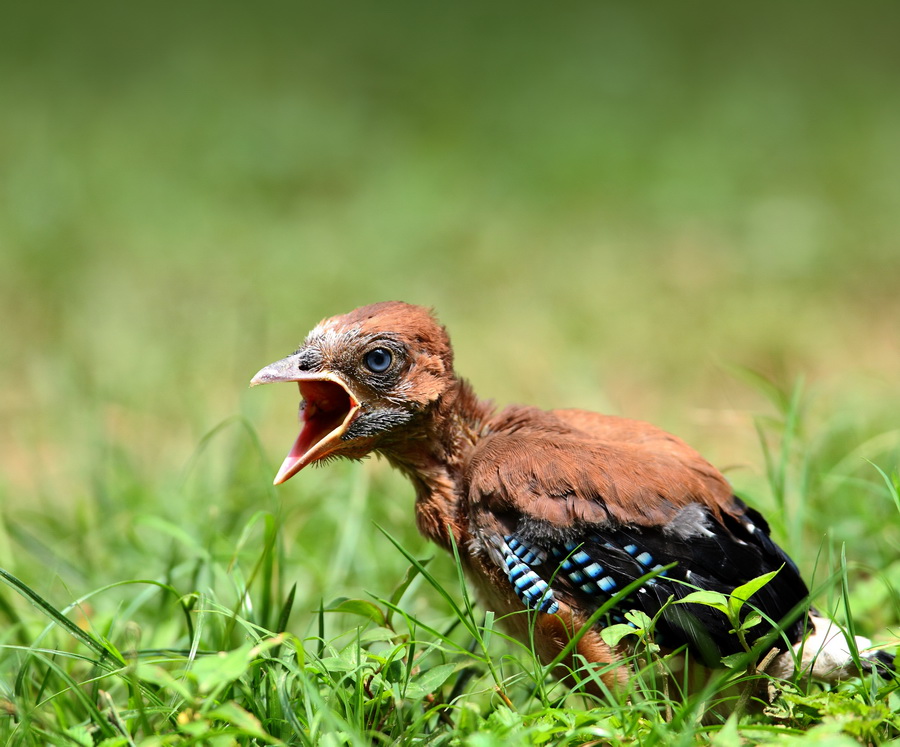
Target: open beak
x,y
327,409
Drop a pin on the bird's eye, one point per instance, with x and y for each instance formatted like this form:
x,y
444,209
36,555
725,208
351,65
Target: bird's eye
x,y
378,360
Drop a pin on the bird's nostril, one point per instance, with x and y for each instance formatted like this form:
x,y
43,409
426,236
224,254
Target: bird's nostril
x,y
303,360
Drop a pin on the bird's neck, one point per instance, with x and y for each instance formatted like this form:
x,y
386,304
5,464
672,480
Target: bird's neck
x,y
434,455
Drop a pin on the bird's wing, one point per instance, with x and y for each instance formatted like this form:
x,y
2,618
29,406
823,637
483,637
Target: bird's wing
x,y
573,519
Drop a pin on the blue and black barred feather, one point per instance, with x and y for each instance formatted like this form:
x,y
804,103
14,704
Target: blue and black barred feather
x,y
587,569
519,556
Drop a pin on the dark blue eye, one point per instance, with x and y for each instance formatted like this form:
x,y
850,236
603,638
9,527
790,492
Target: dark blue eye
x,y
378,360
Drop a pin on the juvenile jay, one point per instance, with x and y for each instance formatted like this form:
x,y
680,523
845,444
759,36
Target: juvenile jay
x,y
551,511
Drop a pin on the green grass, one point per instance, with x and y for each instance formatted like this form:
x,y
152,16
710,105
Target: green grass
x,y
243,637
684,214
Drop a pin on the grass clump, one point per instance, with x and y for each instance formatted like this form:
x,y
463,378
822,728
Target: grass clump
x,y
232,643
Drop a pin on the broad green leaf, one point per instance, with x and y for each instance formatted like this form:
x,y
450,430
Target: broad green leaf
x,y
429,681
641,619
347,660
753,619
735,661
708,598
743,592
613,634
211,672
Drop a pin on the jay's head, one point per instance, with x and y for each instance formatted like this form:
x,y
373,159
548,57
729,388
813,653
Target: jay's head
x,y
367,379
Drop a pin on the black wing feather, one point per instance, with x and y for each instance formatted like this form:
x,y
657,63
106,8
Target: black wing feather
x,y
593,562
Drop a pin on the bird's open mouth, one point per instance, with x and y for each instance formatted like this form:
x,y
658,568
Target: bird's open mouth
x,y
326,412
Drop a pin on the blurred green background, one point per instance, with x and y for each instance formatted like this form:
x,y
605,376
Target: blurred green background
x,y
609,205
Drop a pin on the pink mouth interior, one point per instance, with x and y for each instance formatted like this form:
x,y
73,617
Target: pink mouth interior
x,y
326,405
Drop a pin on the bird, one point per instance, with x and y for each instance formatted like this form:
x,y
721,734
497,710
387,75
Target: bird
x,y
565,521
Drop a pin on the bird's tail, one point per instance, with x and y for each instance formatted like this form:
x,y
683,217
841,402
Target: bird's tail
x,y
825,655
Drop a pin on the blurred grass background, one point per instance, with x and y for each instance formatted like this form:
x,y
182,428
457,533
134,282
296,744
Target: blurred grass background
x,y
609,205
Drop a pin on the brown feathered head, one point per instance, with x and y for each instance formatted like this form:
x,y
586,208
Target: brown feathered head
x,y
363,376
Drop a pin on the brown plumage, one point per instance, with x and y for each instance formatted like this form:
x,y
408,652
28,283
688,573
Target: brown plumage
x,y
550,511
